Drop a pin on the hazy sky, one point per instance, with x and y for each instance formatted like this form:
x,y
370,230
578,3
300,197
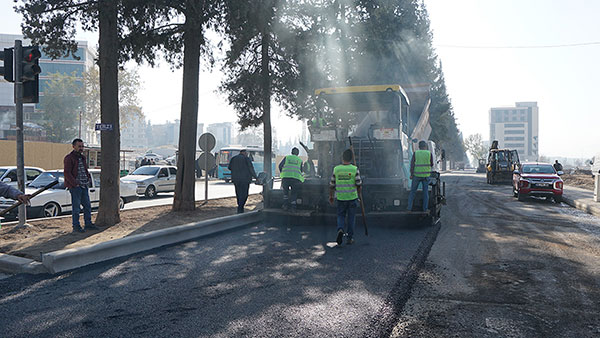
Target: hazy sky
x,y
563,80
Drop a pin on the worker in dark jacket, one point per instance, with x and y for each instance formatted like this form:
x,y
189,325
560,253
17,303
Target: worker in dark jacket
x,y
77,180
290,169
242,172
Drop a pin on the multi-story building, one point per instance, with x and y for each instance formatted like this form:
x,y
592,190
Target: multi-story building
x,y
133,133
517,128
33,113
222,132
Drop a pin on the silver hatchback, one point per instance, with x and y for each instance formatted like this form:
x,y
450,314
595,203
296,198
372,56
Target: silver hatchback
x,y
152,179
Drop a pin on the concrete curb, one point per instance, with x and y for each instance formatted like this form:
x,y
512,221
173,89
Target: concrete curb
x,y
577,203
68,259
14,264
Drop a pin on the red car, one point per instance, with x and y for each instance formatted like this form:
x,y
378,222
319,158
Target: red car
x,y
537,179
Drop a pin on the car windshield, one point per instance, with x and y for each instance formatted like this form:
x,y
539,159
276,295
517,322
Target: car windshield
x,y
2,171
150,171
538,169
48,177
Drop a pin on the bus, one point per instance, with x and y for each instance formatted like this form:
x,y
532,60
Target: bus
x,y
256,155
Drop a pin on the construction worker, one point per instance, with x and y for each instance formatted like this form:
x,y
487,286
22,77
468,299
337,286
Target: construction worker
x,y
290,169
346,184
420,170
318,122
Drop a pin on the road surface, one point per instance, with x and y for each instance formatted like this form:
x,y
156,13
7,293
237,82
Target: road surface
x,y
503,268
499,267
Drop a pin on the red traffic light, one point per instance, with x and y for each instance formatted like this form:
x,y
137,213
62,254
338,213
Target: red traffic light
x,y
31,54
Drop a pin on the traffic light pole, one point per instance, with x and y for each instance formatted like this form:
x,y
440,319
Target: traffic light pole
x,y
19,113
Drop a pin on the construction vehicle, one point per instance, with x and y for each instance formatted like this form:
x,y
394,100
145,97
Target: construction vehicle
x,y
500,164
376,121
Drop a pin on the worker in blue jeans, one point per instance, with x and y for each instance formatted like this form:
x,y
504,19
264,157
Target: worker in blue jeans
x,y
346,184
421,165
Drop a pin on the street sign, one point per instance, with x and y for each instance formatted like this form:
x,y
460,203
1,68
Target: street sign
x,y
202,161
207,142
104,126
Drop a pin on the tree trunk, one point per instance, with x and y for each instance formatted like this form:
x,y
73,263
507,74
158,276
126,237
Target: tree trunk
x,y
186,179
266,101
108,212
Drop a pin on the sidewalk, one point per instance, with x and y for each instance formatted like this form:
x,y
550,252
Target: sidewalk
x,y
581,199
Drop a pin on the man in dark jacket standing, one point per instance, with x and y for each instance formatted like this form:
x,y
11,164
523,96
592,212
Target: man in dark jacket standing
x,y
77,180
242,172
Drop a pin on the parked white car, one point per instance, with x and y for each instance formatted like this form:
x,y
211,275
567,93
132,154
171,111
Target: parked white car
x,y
152,179
57,200
9,174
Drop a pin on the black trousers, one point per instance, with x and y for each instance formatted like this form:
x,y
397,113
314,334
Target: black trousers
x,y
241,192
291,187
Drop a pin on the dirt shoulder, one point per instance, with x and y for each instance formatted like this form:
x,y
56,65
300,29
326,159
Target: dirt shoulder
x,y
579,181
47,235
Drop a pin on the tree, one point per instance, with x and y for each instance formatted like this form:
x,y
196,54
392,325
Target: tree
x,y
61,104
53,23
129,107
475,147
262,63
158,23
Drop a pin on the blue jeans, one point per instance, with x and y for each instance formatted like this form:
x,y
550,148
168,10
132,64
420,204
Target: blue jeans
x,y
424,181
80,197
346,208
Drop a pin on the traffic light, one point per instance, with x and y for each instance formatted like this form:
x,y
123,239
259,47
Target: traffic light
x,y
30,74
7,69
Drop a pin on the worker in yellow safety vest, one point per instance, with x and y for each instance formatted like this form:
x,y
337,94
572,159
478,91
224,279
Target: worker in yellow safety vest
x,y
346,184
421,165
290,169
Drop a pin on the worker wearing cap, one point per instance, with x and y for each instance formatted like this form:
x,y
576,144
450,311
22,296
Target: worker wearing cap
x,y
421,165
290,169
346,184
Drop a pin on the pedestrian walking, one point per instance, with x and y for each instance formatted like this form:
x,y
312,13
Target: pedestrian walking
x,y
77,180
346,185
8,191
420,170
290,169
242,172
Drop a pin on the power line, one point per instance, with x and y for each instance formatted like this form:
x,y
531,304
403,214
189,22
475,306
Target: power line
x,y
522,47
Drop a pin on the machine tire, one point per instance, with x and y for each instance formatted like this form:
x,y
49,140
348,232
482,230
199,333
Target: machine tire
x,y
150,191
51,210
558,199
121,203
521,197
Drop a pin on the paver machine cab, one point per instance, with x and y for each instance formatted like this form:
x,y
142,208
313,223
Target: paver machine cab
x,y
376,121
501,164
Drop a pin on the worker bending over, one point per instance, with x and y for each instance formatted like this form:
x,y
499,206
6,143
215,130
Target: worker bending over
x,y
346,184
420,170
290,169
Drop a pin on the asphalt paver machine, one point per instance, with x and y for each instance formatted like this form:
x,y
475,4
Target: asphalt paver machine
x,y
376,121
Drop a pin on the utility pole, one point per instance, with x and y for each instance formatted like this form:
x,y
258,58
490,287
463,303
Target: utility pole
x,y
79,124
19,112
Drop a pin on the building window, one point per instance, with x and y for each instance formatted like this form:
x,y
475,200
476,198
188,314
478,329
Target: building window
x,y
514,125
514,132
514,138
514,145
